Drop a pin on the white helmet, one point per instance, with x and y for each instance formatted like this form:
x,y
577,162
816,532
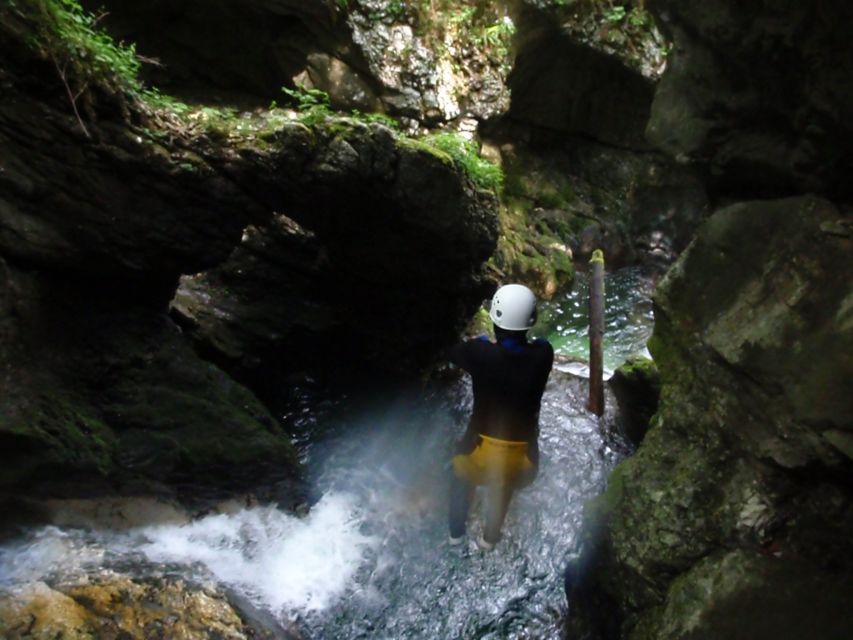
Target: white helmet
x,y
513,307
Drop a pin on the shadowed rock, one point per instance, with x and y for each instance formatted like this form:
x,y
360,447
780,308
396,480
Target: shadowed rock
x,y
101,391
748,450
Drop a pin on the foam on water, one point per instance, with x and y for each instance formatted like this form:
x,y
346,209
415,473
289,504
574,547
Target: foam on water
x,y
283,562
44,552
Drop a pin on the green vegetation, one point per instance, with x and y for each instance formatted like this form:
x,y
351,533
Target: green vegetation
x,y
620,27
84,57
482,23
82,53
306,98
465,155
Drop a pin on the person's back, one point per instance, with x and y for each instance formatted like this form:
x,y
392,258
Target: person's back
x,y
508,378
500,446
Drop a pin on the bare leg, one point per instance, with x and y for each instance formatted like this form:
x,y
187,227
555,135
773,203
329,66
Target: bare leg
x,y
461,495
497,503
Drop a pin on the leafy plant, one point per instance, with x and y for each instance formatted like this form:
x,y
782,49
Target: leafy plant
x,y
616,14
82,54
638,18
306,98
463,16
314,105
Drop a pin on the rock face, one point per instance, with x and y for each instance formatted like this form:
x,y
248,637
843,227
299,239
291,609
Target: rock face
x,y
582,80
101,215
579,168
560,84
99,390
101,393
406,59
760,95
736,504
741,485
375,265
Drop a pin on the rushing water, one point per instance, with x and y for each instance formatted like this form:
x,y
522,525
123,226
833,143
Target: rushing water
x,y
371,559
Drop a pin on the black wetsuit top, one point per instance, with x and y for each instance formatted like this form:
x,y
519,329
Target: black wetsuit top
x,y
509,378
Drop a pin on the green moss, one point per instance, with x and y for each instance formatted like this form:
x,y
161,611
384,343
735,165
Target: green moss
x,y
530,252
465,155
599,510
53,433
638,366
481,324
538,187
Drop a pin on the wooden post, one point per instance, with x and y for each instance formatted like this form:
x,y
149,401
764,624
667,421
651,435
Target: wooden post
x,y
596,333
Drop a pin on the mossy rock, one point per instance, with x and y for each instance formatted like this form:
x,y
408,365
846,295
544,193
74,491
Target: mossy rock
x,y
52,435
749,595
636,385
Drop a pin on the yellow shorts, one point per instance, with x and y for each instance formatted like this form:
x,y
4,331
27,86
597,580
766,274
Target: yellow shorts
x,y
496,461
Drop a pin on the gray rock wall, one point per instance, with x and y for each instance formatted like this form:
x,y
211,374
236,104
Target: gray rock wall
x,y
730,520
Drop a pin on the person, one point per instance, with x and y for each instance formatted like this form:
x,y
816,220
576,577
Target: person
x,y
500,449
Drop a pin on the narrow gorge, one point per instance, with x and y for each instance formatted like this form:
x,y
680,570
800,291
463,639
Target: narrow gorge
x,y
238,238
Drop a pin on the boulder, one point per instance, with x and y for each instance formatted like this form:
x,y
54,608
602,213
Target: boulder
x,y
112,605
102,394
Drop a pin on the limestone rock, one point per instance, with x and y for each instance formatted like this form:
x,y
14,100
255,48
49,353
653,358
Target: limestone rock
x,y
109,605
754,366
759,93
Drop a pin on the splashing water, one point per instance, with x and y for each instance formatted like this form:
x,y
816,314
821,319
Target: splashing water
x,y
281,561
371,559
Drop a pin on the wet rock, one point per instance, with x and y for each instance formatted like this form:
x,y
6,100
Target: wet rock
x,y
636,385
101,393
738,456
109,605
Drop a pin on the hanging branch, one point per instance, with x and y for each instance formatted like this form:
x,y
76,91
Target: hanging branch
x,y
72,98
